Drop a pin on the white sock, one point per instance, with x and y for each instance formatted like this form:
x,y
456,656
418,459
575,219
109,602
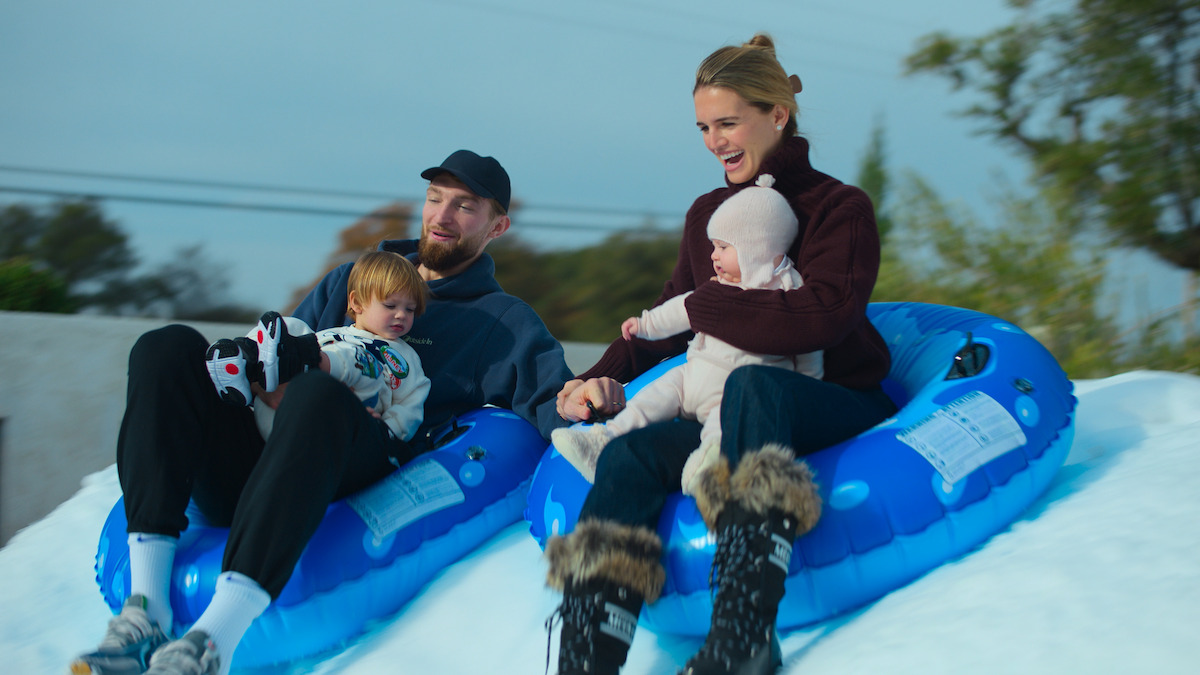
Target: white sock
x,y
151,557
237,601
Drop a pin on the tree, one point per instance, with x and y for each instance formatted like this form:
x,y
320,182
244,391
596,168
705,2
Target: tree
x,y
82,245
24,288
1028,272
193,287
387,222
73,241
1103,98
68,257
20,229
874,179
584,294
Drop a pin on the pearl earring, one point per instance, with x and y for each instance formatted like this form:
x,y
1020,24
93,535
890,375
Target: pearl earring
x,y
778,127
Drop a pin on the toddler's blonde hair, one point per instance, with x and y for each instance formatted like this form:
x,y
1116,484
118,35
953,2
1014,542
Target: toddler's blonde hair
x,y
378,274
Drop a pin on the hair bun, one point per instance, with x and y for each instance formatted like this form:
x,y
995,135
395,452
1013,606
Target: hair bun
x,y
762,41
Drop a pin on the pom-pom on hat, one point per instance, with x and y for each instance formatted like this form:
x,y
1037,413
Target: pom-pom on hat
x,y
760,224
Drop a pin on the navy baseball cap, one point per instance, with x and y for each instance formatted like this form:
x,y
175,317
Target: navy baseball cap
x,y
483,175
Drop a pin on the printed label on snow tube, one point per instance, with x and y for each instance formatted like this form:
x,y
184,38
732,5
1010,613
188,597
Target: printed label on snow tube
x,y
964,435
413,492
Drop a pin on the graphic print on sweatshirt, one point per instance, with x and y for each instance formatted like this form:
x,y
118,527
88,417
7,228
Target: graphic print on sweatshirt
x,y
376,358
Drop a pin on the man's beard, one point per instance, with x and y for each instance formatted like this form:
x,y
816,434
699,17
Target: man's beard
x,y
440,257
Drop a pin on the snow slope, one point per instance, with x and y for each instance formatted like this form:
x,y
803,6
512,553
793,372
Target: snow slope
x,y
1101,575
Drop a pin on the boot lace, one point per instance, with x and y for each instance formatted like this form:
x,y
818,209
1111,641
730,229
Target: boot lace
x,y
739,624
576,614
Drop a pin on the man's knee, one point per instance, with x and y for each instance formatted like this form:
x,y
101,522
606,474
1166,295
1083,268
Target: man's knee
x,y
165,346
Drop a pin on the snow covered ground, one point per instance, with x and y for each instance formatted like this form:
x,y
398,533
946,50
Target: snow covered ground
x,y
1101,575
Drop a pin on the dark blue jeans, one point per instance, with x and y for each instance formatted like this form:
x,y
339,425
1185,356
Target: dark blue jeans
x,y
638,471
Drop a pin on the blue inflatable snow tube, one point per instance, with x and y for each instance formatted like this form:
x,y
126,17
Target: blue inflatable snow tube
x,y
986,419
374,550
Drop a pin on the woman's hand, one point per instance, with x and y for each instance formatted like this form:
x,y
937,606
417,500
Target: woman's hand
x,y
605,394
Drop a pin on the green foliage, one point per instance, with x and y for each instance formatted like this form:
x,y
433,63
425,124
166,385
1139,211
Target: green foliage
x,y
584,294
73,241
874,179
1026,271
68,257
81,245
1156,351
1102,98
23,288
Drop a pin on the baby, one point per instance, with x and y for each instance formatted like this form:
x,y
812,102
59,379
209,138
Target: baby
x,y
751,233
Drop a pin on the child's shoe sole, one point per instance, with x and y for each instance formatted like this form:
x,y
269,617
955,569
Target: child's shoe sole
x,y
268,334
227,369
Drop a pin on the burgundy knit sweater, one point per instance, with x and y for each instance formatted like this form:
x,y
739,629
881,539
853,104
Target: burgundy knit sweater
x,y
837,254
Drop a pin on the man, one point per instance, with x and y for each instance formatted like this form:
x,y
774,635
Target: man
x,y
179,441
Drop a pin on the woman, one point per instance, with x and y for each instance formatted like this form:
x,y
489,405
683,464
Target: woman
x,y
756,498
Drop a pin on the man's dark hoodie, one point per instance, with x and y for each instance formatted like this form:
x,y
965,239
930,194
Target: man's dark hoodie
x,y
478,345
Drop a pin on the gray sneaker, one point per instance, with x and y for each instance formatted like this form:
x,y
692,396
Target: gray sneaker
x,y
192,654
127,645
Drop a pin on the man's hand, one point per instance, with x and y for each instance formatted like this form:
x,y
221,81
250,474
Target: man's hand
x,y
604,393
272,399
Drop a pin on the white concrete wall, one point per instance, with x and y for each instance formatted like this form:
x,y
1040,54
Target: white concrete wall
x,y
62,395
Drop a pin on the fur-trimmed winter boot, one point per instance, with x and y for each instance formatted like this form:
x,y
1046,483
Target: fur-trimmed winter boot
x,y
757,513
605,571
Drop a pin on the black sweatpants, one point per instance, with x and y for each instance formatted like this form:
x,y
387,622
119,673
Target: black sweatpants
x,y
761,404
179,441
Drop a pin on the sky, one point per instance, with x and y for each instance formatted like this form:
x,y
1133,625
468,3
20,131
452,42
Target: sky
x,y
588,105
1099,575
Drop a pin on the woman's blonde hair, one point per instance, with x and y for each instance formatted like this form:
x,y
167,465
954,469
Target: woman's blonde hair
x,y
378,274
753,72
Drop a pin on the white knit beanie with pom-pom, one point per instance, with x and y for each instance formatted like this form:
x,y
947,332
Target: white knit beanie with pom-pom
x,y
760,224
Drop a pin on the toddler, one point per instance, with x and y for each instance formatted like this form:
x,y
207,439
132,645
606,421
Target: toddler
x,y
385,294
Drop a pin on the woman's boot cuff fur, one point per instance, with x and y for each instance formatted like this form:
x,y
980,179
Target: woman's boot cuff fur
x,y
767,479
622,554
712,491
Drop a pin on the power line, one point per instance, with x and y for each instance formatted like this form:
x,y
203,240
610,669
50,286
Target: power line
x,y
192,182
278,208
287,189
198,203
